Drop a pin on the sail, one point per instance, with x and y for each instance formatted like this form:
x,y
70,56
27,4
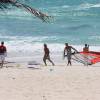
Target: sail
x,y
90,57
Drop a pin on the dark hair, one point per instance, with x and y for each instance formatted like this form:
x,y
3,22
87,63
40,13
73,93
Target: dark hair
x,y
45,45
85,45
2,42
66,44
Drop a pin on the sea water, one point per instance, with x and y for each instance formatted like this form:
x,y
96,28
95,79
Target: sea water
x,y
74,21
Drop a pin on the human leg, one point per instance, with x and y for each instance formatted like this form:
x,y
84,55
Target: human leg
x,y
51,61
44,60
2,58
69,59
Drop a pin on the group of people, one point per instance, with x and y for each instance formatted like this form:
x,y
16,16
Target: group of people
x,y
67,53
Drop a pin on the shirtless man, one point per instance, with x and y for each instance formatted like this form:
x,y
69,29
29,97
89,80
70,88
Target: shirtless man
x,y
68,53
46,55
86,50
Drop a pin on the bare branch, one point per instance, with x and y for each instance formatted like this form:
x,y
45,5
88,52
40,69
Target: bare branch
x,y
40,15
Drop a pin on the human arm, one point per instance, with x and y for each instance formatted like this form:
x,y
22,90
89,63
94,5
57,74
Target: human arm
x,y
88,46
64,53
74,50
5,51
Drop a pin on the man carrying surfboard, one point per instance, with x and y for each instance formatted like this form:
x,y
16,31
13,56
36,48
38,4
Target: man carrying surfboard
x,y
47,55
68,53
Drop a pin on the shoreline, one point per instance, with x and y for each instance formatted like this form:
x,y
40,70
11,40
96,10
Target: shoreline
x,y
35,49
38,60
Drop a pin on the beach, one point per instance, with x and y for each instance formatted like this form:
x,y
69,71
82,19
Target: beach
x,y
24,76
24,81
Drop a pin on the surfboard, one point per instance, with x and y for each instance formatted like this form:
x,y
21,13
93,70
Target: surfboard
x,y
33,63
7,62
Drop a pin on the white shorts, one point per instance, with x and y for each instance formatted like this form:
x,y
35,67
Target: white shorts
x,y
2,57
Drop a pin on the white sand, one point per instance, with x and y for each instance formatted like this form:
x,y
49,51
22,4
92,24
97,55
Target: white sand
x,y
77,82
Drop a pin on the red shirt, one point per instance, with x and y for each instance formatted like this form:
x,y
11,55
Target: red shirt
x,y
2,49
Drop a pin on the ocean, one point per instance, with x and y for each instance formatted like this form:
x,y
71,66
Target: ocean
x,y
74,21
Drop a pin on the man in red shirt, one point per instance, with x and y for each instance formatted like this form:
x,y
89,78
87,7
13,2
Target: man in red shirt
x,y
3,51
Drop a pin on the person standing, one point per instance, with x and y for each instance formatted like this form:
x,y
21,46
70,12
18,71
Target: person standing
x,y
86,48
68,53
3,51
47,55
86,51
